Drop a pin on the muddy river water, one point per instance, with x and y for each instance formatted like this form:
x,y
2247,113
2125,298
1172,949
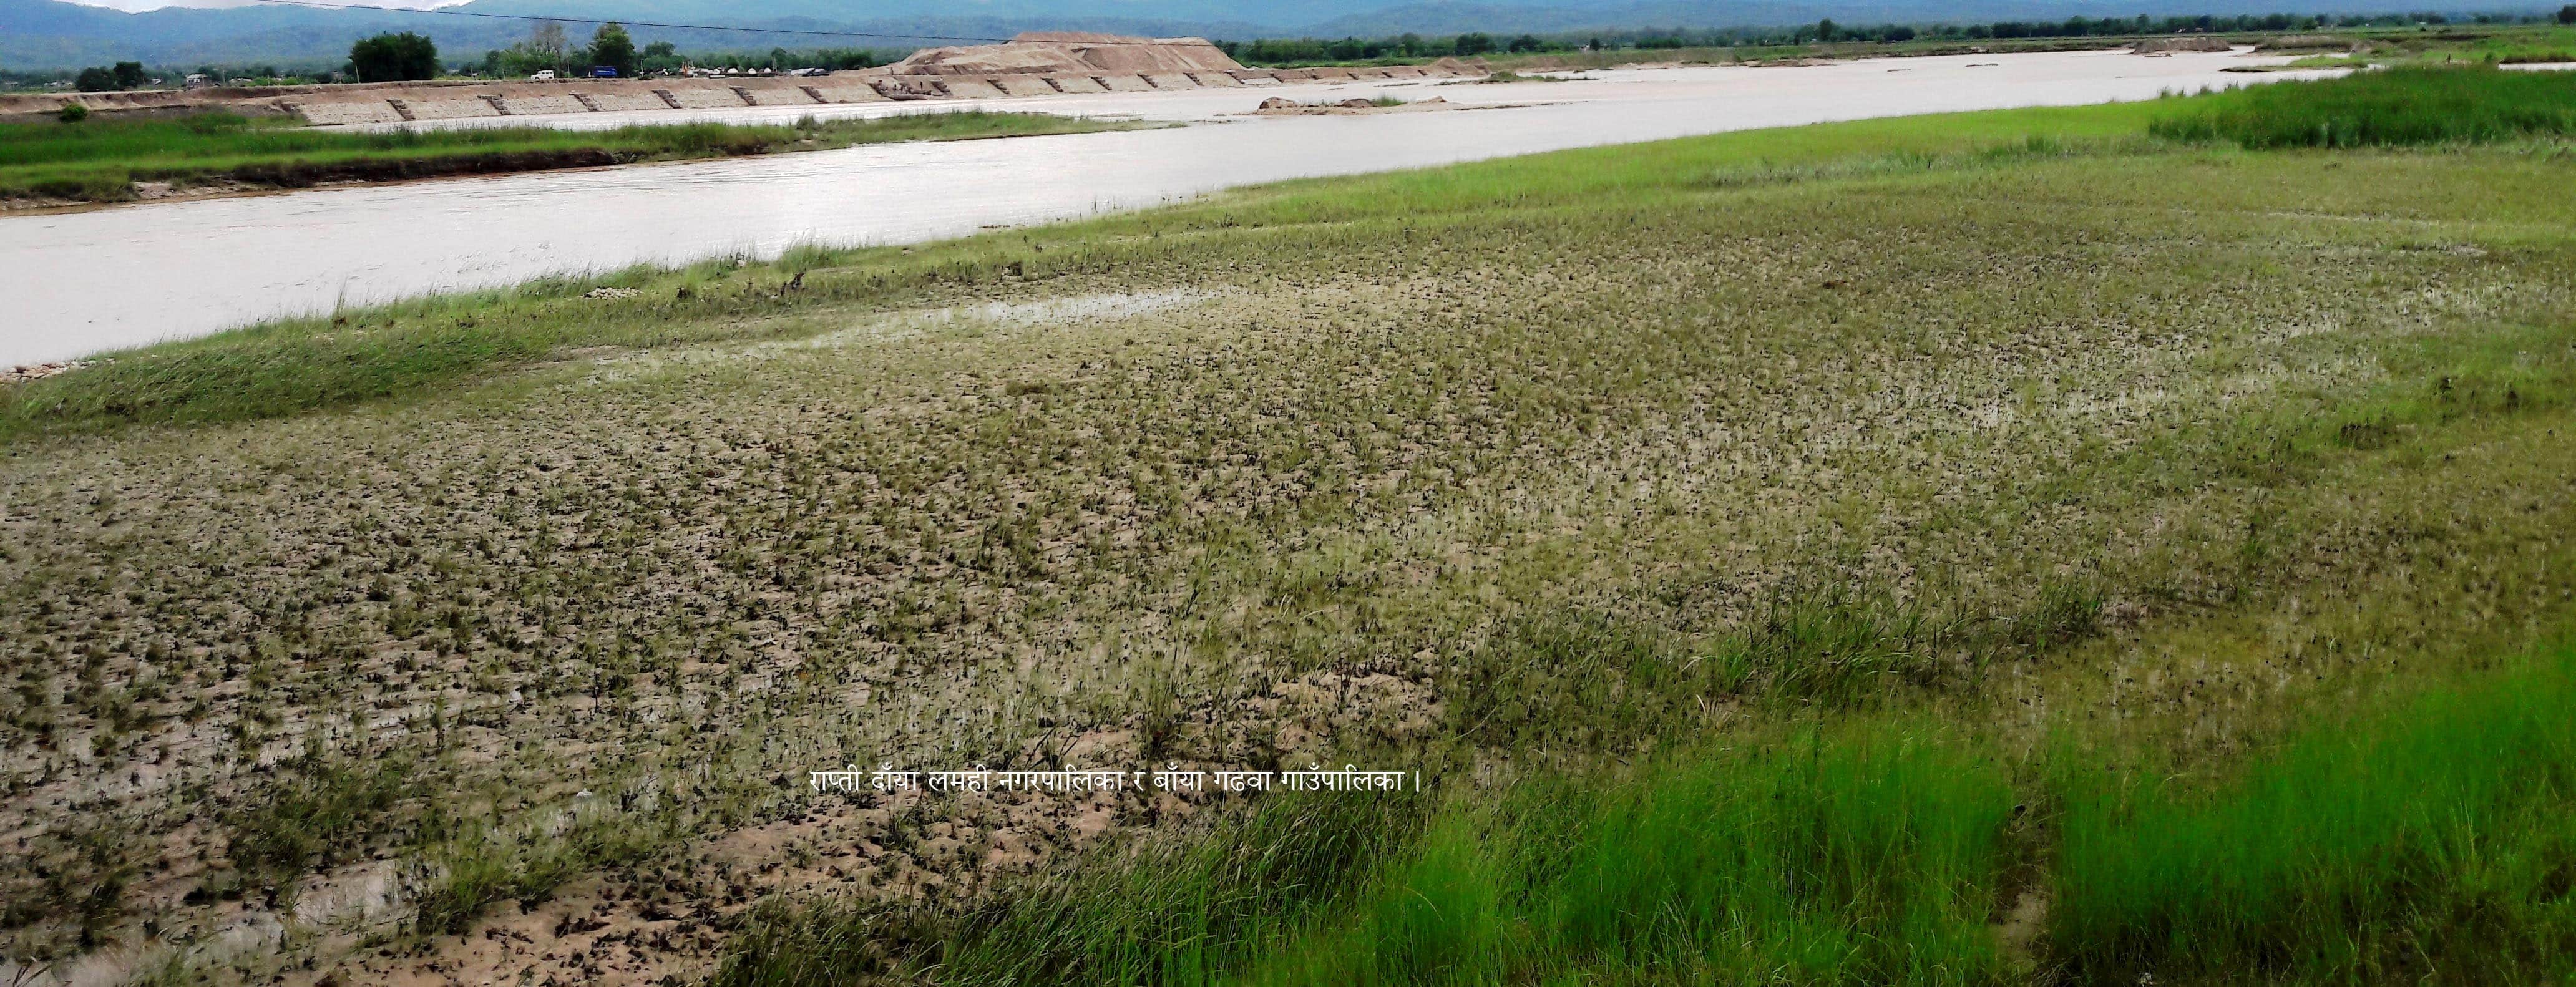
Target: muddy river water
x,y
78,283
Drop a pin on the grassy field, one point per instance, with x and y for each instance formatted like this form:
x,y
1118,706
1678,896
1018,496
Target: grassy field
x,y
1907,530
2401,106
102,160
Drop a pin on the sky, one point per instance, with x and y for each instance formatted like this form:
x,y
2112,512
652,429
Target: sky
x,y
132,6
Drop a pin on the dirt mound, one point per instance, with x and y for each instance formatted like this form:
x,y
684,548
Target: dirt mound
x,y
2158,46
2307,42
1457,66
1283,106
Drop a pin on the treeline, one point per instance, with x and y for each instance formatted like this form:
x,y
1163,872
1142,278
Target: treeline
x,y
1292,51
546,50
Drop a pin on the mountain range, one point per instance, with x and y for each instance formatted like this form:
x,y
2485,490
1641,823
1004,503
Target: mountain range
x,y
51,34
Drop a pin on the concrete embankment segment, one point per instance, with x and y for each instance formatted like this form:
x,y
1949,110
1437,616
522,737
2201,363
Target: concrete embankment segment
x,y
1032,66
838,92
617,100
706,97
965,87
447,108
520,106
775,95
1024,86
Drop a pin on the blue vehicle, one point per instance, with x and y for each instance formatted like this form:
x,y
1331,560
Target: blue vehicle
x,y
603,71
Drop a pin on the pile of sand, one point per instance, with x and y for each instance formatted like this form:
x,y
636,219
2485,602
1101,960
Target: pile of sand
x,y
2158,46
1283,106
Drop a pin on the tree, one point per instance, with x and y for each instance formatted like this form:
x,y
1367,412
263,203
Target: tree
x,y
2567,14
546,44
1470,45
613,48
1825,30
95,80
401,57
129,75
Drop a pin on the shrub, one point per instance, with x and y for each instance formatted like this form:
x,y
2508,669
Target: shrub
x,y
72,113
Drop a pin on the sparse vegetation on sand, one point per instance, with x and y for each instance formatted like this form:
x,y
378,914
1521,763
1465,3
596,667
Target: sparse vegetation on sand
x,y
1759,485
102,160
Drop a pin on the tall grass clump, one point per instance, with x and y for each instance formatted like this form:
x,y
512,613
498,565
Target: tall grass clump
x,y
2426,838
1845,858
2398,106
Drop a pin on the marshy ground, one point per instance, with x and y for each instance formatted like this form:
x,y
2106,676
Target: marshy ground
x,y
490,639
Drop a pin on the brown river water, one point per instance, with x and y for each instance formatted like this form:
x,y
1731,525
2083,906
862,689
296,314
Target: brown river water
x,y
78,283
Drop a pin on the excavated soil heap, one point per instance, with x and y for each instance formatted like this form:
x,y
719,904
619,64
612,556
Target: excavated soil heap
x,y
2152,46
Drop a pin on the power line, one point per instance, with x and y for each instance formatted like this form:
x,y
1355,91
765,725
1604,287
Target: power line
x,y
677,27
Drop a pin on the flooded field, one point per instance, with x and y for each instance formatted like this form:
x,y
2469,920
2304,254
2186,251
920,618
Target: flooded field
x,y
95,280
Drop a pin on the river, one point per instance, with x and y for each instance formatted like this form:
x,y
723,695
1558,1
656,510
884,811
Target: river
x,y
83,282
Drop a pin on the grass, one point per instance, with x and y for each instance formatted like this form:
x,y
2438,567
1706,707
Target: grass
x,y
100,160
1168,911
1849,860
2423,835
2425,838
2401,106
1846,858
1562,477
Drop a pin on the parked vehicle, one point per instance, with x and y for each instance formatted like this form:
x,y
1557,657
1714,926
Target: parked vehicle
x,y
543,76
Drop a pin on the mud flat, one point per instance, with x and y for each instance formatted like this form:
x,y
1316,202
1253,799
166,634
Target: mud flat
x,y
227,262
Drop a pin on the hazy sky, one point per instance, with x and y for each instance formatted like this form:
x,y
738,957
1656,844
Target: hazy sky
x,y
134,5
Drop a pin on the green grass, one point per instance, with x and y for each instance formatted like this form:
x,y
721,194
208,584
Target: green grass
x,y
1809,859
99,160
2394,107
1827,856
2430,837
1166,911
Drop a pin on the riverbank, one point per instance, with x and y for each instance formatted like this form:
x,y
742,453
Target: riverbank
x,y
238,261
54,165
